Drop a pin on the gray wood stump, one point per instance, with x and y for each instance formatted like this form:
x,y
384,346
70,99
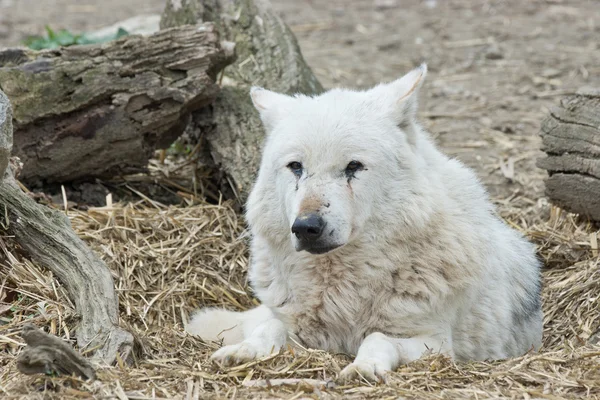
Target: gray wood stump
x,y
47,237
101,110
268,55
571,140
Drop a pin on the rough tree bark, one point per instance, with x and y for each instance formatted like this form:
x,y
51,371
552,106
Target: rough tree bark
x,y
268,55
571,140
102,110
6,133
47,237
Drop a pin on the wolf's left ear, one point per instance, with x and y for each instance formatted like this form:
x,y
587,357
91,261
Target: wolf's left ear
x,y
270,105
405,94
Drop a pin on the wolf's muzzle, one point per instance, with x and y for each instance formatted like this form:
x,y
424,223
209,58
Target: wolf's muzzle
x,y
308,227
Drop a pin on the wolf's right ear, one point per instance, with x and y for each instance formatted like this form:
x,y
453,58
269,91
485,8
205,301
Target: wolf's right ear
x,y
270,105
405,92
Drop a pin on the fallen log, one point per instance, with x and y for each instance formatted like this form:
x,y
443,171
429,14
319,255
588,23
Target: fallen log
x,y
571,140
268,55
47,237
101,110
49,355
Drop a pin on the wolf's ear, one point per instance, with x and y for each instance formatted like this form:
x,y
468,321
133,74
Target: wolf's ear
x,y
270,105
404,93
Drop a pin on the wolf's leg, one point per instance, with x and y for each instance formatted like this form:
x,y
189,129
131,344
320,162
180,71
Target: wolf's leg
x,y
379,354
261,334
229,327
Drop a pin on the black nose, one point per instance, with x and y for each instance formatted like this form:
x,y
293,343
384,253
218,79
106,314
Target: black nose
x,y
308,227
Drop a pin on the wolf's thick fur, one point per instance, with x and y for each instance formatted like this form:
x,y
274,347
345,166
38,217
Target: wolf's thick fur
x,y
414,257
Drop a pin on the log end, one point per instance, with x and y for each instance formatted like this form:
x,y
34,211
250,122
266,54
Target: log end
x,y
575,193
571,140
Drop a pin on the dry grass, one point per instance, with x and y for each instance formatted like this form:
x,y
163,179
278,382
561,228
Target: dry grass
x,y
167,261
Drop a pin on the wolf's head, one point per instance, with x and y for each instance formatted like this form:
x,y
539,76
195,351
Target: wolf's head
x,y
334,163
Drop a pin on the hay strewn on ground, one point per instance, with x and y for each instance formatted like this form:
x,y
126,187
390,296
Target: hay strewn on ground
x,y
168,261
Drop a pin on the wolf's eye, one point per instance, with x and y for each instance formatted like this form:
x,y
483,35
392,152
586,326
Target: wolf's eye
x,y
295,167
353,166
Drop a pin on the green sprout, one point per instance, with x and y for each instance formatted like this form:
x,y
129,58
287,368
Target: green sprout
x,y
64,38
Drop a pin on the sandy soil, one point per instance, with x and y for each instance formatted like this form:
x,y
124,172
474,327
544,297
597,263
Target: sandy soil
x,y
21,18
495,68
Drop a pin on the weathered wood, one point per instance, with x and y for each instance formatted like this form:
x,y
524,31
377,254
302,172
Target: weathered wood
x,y
268,55
102,110
576,193
47,237
572,163
571,140
6,132
181,12
47,354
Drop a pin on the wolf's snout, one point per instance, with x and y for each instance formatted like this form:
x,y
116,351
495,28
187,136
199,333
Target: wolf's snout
x,y
308,227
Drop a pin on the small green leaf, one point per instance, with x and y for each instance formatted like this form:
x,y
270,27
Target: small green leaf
x,y
50,32
66,38
120,33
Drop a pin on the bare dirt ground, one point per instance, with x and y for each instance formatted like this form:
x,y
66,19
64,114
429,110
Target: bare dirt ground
x,y
21,18
495,69
495,66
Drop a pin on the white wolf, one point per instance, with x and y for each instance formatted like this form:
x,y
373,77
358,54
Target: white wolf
x,y
368,240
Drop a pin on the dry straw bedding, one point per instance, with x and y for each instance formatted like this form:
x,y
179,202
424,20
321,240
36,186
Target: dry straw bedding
x,y
167,261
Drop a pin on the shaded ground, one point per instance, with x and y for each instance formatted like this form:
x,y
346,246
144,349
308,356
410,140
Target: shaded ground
x,y
495,68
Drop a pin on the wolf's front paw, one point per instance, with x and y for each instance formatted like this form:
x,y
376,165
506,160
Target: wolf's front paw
x,y
235,354
370,370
